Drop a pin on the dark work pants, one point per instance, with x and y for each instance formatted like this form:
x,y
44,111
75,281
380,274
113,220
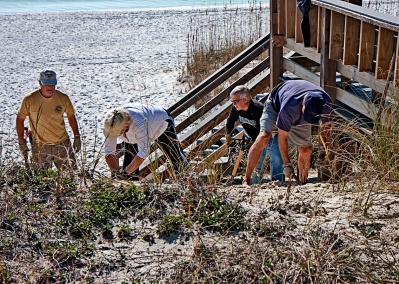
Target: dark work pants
x,y
304,7
130,152
170,146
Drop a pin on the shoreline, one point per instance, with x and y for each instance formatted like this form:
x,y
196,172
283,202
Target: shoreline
x,y
225,7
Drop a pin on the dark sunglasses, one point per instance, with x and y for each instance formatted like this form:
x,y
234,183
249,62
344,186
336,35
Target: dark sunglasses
x,y
235,101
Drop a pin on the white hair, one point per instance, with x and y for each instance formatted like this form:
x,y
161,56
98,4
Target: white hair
x,y
241,90
114,121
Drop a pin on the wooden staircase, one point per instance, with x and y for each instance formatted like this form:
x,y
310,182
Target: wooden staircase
x,y
353,56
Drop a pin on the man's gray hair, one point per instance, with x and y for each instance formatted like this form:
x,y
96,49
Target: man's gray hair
x,y
241,90
114,121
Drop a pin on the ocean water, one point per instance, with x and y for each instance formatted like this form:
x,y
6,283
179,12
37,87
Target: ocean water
x,y
39,6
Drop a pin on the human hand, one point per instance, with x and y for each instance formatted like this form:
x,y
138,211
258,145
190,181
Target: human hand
x,y
228,139
77,144
288,170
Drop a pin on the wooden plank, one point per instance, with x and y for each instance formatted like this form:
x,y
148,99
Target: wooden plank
x,y
356,103
306,62
366,49
364,78
298,31
396,70
351,43
290,11
276,51
313,21
337,27
310,53
301,71
281,16
319,28
384,52
328,66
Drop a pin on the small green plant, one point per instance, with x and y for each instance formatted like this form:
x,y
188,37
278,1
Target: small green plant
x,y
108,201
4,274
171,224
215,213
75,226
124,231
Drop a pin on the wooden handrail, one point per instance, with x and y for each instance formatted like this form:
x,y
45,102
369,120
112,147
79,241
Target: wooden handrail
x,y
363,14
223,95
213,81
256,79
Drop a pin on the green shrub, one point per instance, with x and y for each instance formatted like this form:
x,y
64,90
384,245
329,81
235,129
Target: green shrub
x,y
108,201
215,213
171,224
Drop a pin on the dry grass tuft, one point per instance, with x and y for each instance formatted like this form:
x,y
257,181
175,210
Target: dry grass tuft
x,y
213,43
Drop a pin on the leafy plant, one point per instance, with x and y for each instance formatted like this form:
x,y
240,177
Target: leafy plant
x,y
108,201
215,213
124,231
171,224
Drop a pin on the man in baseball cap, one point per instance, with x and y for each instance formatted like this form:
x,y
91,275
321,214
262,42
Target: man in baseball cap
x,y
291,110
45,108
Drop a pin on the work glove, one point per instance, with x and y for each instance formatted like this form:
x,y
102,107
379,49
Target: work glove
x,y
288,170
24,149
77,144
228,139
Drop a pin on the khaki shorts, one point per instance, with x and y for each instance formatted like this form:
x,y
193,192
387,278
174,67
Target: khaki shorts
x,y
300,135
60,154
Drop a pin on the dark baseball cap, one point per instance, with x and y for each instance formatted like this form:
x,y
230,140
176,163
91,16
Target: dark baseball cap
x,y
314,103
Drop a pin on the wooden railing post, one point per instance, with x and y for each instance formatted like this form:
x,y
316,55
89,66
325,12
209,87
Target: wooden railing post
x,y
276,45
328,67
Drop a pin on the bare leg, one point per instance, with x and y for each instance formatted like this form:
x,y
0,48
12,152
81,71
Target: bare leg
x,y
304,162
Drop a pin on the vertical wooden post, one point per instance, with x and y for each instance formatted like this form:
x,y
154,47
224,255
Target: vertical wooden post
x,y
281,16
328,69
351,41
337,26
276,45
396,70
384,53
313,21
290,11
366,49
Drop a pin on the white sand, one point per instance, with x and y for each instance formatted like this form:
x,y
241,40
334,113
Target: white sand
x,y
103,60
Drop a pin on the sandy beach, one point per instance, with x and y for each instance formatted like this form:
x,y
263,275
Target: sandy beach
x,y
102,59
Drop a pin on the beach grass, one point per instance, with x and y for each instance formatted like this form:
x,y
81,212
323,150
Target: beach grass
x,y
104,230
211,46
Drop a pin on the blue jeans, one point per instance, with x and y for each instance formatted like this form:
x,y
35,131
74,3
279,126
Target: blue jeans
x,y
276,163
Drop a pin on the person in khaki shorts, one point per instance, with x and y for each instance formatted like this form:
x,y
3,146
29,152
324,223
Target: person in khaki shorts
x,y
45,108
291,110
